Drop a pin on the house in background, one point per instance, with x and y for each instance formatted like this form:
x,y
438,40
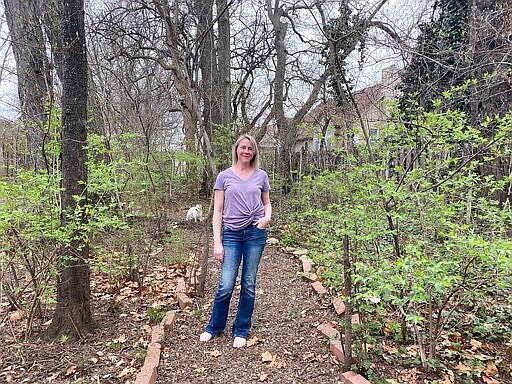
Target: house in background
x,y
328,122
328,126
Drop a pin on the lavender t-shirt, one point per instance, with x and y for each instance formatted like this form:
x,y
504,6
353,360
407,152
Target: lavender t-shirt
x,y
242,198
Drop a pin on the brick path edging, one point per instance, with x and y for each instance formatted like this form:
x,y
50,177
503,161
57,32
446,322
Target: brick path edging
x,y
148,373
334,336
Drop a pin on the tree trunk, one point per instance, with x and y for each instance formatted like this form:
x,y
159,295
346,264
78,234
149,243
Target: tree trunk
x,y
215,62
490,28
285,133
207,64
189,99
224,60
287,127
72,315
50,16
347,284
34,81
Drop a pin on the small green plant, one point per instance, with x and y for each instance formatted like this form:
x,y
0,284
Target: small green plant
x,y
140,354
155,314
63,339
197,311
115,346
291,314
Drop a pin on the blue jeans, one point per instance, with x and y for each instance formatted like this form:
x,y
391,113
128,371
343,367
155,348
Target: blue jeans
x,y
244,246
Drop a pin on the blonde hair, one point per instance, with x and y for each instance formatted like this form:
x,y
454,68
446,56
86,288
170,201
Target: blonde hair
x,y
255,161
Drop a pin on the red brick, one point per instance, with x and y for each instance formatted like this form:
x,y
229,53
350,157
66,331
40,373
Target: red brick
x,y
345,377
181,287
168,321
307,265
157,334
351,377
338,305
358,379
147,375
319,288
327,330
153,355
184,301
337,350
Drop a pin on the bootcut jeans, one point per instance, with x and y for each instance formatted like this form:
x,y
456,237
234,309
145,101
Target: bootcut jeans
x,y
240,247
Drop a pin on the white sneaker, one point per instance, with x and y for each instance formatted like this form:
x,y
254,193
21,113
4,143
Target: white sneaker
x,y
239,342
205,337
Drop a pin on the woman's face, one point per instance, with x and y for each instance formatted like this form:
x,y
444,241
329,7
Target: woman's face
x,y
245,151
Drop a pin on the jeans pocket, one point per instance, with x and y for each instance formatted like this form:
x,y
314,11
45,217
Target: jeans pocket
x,y
259,229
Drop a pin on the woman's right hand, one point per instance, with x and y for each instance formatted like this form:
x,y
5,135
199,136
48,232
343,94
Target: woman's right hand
x,y
218,252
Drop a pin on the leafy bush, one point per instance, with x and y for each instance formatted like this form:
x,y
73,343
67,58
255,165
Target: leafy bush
x,y
427,233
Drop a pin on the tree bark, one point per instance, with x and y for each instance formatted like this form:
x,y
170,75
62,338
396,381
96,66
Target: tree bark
x,y
49,16
215,64
207,64
224,60
33,73
189,99
490,28
72,316
490,54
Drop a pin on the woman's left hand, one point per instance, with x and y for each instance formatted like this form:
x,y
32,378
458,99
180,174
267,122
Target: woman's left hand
x,y
262,223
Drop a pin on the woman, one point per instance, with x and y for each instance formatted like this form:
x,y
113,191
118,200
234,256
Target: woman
x,y
242,210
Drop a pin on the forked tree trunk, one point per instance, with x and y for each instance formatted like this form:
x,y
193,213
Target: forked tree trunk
x,y
73,315
189,99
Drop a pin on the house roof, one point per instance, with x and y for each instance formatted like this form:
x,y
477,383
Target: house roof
x,y
366,100
344,116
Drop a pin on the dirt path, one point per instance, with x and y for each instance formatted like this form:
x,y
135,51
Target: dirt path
x,y
287,346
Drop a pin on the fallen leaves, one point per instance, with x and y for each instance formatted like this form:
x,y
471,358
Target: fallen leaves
x,y
490,380
214,353
252,341
491,369
198,369
266,357
308,356
121,339
448,378
70,370
274,362
475,345
17,315
127,371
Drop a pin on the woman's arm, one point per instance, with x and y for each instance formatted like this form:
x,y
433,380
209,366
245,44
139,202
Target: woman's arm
x,y
218,207
267,206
